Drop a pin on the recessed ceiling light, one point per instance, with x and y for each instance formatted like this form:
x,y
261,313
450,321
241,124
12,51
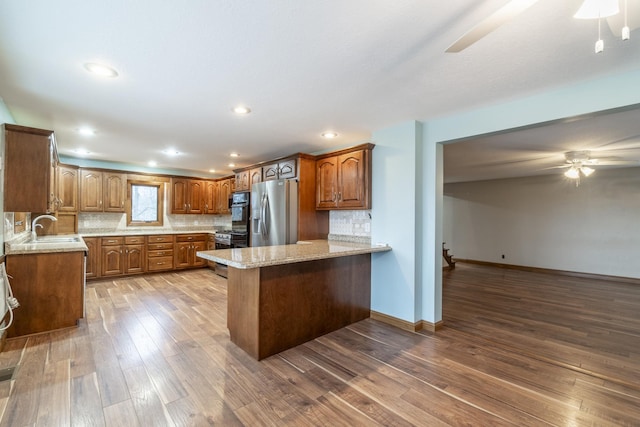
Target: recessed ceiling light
x,y
241,109
329,135
152,163
232,165
171,152
100,70
212,170
85,131
234,155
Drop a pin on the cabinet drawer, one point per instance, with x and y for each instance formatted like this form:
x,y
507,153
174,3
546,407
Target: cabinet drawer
x,y
160,238
134,240
159,246
107,241
191,237
159,253
160,263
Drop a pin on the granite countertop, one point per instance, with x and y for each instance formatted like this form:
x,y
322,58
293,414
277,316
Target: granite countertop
x,y
46,244
286,254
138,232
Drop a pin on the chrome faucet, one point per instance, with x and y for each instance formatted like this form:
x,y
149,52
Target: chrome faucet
x,y
34,224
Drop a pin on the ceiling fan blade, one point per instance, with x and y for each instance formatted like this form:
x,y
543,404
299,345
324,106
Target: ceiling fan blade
x,y
489,24
630,143
616,22
558,167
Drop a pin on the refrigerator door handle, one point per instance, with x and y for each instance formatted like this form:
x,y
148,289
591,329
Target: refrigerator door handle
x,y
265,206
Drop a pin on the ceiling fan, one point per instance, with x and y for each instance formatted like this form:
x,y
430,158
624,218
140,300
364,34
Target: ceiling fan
x,y
617,21
580,164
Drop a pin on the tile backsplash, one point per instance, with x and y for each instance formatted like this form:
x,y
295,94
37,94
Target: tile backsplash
x,y
115,222
350,225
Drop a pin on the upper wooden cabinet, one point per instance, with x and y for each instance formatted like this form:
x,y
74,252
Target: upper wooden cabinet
x,y
90,190
114,191
210,196
283,169
102,191
187,196
195,196
68,179
343,179
29,169
242,181
246,178
255,175
224,193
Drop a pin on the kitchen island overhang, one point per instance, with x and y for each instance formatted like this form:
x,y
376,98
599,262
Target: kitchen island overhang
x,y
282,296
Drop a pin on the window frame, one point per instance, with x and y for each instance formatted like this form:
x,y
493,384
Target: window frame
x,y
160,205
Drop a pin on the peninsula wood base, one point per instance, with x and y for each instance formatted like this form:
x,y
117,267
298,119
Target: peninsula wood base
x,y
271,309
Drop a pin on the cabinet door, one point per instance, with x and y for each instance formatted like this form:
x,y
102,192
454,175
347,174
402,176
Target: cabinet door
x,y
54,201
198,247
112,261
223,194
179,194
90,190
182,255
27,169
242,181
351,185
114,191
210,192
255,175
134,259
67,189
326,183
93,267
270,172
287,169
195,199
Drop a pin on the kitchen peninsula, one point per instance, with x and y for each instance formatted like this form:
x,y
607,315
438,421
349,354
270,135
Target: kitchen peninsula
x,y
283,296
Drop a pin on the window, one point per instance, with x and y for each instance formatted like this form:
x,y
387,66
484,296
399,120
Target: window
x,y
146,203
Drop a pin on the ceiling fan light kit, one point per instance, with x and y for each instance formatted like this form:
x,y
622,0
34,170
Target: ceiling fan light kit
x,y
598,9
590,9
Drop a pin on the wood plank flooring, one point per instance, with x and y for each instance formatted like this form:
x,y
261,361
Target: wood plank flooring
x,y
518,348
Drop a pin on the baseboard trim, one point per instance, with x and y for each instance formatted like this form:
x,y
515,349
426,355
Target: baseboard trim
x,y
421,325
631,280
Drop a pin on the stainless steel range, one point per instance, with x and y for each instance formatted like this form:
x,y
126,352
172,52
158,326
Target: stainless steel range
x,y
223,239
228,239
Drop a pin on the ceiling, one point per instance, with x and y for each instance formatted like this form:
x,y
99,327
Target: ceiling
x,y
302,67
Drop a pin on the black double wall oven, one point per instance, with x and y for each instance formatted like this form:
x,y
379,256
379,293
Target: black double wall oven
x,y
238,236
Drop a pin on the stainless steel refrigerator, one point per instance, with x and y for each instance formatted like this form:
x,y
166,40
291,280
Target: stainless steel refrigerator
x,y
274,212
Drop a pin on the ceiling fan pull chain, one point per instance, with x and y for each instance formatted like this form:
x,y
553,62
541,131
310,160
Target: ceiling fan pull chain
x,y
599,43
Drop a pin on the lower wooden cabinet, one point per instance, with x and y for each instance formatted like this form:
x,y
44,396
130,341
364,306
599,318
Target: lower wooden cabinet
x,y
111,256
93,265
50,289
134,254
160,252
187,245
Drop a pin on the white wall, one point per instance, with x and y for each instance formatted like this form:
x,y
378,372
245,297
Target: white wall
x,y
394,219
548,222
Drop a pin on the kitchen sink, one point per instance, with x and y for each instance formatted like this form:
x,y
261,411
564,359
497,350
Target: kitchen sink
x,y
57,239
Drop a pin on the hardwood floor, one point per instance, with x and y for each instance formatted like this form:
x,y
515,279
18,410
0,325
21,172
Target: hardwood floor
x,y
517,348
